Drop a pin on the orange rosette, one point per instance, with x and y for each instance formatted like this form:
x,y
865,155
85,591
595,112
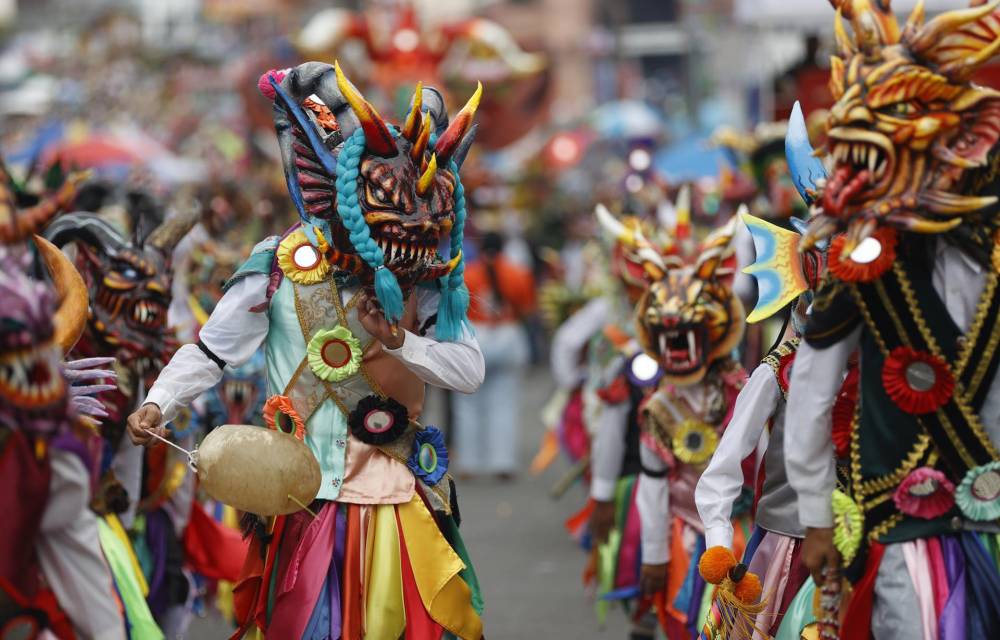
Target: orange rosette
x,y
280,415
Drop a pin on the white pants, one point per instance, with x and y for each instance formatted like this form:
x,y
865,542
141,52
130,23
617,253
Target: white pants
x,y
487,423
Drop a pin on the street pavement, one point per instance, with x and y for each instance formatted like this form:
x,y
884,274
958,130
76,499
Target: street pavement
x,y
528,567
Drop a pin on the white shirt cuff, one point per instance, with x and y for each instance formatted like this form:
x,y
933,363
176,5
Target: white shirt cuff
x,y
409,350
815,511
655,552
602,490
166,402
719,537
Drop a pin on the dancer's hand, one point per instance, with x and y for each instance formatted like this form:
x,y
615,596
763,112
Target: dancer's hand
x,y
144,422
819,552
374,322
653,578
602,520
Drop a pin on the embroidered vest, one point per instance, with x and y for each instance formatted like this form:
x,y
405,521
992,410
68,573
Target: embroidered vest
x,y
352,470
902,311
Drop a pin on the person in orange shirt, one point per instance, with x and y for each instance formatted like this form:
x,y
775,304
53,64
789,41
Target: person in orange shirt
x,y
486,423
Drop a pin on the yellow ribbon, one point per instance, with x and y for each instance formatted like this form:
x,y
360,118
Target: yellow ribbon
x,y
385,616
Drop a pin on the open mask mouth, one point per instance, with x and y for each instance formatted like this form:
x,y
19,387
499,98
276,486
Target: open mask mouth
x,y
30,379
680,348
239,396
147,315
407,253
864,168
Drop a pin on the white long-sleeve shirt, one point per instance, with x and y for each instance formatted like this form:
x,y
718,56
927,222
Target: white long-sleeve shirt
x,y
608,450
569,342
70,556
816,380
721,483
233,333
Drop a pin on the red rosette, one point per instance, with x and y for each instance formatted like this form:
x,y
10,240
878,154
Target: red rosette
x,y
917,381
849,270
843,412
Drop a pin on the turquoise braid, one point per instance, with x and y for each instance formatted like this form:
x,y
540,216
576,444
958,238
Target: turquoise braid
x,y
454,304
387,290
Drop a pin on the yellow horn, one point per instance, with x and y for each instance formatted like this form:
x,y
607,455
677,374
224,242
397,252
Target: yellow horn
x,y
426,180
71,317
411,128
420,144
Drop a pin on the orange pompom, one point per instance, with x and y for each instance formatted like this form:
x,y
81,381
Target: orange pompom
x,y
748,589
715,564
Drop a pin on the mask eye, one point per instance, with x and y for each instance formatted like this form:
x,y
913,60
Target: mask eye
x,y
902,109
130,273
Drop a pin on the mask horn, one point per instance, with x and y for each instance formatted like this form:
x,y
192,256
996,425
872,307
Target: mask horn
x,y
427,179
420,144
166,236
70,318
449,141
412,126
378,138
804,167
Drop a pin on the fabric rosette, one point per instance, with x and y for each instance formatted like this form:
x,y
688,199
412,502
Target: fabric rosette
x,y
917,382
925,493
848,526
429,460
978,496
868,261
694,442
334,354
280,414
301,262
378,420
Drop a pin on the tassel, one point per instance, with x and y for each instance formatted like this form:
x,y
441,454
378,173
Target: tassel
x,y
390,298
451,313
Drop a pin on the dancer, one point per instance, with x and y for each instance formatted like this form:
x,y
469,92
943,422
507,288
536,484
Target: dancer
x,y
53,577
912,284
690,321
357,312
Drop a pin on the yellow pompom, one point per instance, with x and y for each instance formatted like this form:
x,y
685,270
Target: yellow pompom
x,y
715,564
748,589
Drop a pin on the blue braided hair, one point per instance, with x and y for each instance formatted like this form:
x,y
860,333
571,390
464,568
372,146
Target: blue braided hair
x,y
454,305
387,290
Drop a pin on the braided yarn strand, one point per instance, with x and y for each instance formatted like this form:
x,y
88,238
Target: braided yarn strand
x,y
454,304
387,290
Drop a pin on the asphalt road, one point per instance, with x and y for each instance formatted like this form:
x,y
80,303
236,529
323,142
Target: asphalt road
x,y
528,567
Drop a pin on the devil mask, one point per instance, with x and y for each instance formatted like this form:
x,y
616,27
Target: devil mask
x,y
129,281
375,199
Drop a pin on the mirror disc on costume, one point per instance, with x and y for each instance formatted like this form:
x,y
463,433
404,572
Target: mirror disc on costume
x,y
336,353
305,256
867,251
644,367
284,422
20,628
924,488
920,376
986,486
693,441
379,421
427,457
